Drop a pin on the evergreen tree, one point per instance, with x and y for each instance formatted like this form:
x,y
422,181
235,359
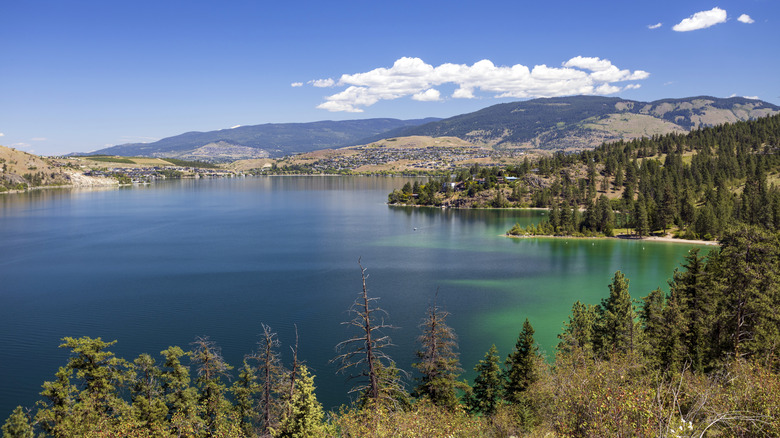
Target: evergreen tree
x,y
578,333
641,222
245,390
747,273
671,345
18,425
614,328
305,417
98,372
488,387
211,369
180,397
54,414
691,294
604,217
521,365
98,375
653,325
438,360
146,393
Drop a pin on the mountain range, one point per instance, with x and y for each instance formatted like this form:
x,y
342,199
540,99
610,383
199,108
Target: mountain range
x,y
570,123
261,141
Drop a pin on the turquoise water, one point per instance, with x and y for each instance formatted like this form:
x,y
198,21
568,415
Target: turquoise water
x,y
159,265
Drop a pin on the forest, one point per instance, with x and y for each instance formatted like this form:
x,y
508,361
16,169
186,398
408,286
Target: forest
x,y
697,185
698,360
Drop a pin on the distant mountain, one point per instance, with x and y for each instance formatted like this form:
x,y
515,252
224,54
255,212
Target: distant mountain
x,y
260,141
586,121
575,122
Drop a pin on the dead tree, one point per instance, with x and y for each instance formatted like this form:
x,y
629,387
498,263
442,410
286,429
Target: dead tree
x,y
363,357
270,369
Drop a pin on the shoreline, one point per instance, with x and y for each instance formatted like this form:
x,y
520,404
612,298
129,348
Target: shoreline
x,y
664,239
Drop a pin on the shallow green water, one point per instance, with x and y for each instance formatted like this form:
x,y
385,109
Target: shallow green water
x,y
156,266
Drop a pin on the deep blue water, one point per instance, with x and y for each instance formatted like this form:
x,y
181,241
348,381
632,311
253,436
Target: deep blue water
x,y
159,265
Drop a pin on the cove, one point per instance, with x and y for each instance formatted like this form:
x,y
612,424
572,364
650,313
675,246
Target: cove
x,y
155,266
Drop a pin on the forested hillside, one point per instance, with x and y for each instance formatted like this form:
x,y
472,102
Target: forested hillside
x,y
586,121
700,184
699,360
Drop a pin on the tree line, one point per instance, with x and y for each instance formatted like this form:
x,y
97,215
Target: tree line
x,y
701,184
702,357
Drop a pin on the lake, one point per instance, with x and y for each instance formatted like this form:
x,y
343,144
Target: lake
x,y
154,266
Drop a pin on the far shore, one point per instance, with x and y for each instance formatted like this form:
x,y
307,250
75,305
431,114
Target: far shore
x,y
666,239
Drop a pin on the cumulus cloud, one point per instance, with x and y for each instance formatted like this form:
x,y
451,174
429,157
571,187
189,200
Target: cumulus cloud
x,y
2,135
413,77
701,20
296,84
745,18
429,95
323,83
654,26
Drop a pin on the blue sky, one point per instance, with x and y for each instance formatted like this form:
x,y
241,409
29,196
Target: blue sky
x,y
83,75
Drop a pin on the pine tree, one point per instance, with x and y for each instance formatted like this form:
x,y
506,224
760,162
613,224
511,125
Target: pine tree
x,y
18,425
747,272
438,360
614,328
180,396
98,372
55,412
211,369
244,391
641,222
673,349
146,393
692,295
488,386
521,365
98,375
305,417
578,333
653,325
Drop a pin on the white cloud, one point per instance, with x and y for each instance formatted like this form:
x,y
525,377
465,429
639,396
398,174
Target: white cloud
x,y
654,26
429,95
234,127
2,135
38,139
745,18
21,145
746,97
413,77
463,93
296,84
701,20
323,83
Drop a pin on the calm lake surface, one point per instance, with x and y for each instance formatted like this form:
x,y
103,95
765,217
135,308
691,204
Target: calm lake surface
x,y
159,265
